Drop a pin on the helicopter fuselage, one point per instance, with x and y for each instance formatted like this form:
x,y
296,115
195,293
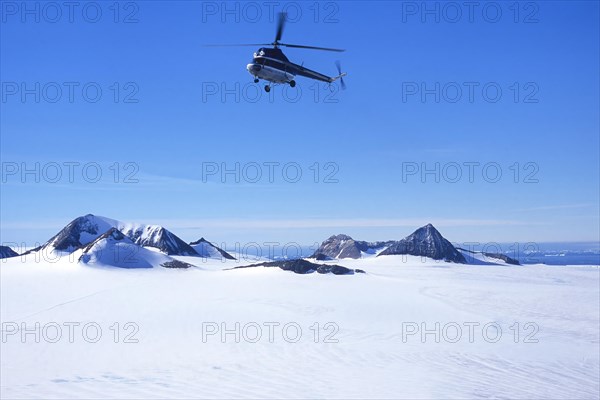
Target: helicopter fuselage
x,y
272,65
276,74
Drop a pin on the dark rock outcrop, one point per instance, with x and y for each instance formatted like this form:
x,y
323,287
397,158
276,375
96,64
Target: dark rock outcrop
x,y
503,257
321,257
301,266
7,252
176,264
337,270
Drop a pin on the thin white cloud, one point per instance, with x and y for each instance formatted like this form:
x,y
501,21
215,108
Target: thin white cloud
x,y
310,223
274,223
559,207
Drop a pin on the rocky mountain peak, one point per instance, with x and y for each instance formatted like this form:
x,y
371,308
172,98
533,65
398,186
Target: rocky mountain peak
x,y
204,248
343,246
201,240
79,232
339,237
426,241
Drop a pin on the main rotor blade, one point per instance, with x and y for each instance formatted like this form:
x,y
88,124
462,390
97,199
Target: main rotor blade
x,y
299,46
280,25
236,45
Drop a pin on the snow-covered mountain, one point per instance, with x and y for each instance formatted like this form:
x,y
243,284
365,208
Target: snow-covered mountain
x,y
343,246
7,252
83,230
78,233
208,250
427,242
115,249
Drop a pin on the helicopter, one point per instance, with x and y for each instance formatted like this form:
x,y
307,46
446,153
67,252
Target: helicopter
x,y
271,65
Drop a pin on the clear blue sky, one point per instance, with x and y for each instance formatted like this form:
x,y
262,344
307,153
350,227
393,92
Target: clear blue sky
x,y
376,131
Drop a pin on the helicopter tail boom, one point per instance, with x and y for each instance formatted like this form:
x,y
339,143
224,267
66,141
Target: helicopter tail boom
x,y
335,78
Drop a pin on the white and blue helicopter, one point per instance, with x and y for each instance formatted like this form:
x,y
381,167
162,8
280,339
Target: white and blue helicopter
x,y
271,65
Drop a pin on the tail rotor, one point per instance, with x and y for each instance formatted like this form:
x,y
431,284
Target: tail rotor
x,y
340,74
